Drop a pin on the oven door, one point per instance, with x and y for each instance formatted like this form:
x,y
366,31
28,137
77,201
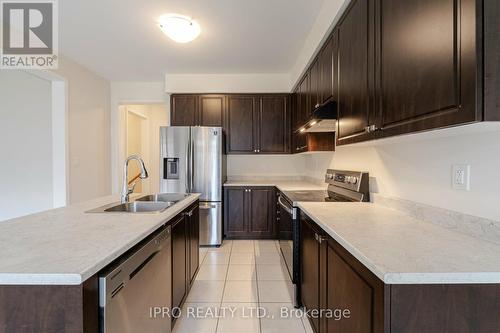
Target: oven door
x,y
285,232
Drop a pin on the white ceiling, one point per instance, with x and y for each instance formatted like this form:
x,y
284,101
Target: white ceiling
x,y
119,39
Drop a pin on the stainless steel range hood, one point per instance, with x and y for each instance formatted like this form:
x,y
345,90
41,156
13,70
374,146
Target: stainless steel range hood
x,y
323,119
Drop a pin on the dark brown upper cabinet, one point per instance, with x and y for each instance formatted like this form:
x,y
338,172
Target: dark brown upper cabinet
x,y
299,142
397,67
314,87
274,124
253,123
306,142
240,124
258,124
355,73
212,110
427,52
184,110
491,56
328,69
304,99
197,110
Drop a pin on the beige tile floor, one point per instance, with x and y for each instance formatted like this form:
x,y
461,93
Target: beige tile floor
x,y
233,284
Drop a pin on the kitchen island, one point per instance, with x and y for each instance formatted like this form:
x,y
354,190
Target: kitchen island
x,y
50,261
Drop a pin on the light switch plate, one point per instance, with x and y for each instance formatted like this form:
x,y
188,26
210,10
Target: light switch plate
x,y
460,177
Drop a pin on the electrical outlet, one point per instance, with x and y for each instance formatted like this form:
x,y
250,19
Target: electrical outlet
x,y
460,177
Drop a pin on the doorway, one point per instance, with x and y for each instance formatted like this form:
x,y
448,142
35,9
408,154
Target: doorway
x,y
142,129
136,145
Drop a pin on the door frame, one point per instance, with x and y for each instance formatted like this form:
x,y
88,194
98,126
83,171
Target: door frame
x,y
145,153
118,125
60,135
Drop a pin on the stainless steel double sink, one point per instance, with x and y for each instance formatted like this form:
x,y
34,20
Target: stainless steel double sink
x,y
152,204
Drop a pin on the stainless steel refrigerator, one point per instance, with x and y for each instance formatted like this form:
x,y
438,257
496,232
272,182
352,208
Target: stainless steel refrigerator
x,y
193,161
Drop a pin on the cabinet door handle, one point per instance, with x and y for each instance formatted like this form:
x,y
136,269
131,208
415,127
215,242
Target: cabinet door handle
x,y
319,238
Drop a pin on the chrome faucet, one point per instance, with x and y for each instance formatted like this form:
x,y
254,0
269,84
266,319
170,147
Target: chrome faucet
x,y
127,190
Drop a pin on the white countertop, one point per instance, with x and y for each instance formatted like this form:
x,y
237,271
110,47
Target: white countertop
x,y
402,250
66,246
282,185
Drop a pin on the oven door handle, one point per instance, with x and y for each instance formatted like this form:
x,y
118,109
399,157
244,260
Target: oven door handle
x,y
285,207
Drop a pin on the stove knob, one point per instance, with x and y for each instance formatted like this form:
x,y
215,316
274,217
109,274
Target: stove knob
x,y
354,180
329,176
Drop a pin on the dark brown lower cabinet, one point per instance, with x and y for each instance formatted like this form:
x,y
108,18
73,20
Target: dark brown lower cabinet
x,y
50,308
346,285
249,212
334,281
469,308
185,253
261,212
193,222
179,260
310,268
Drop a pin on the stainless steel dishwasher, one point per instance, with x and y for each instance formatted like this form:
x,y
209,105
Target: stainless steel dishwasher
x,y
135,294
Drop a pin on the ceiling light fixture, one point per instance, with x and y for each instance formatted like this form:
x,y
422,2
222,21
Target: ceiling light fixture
x,y
179,28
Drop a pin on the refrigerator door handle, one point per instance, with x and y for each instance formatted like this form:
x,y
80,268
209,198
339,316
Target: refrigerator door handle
x,y
188,163
192,166
205,205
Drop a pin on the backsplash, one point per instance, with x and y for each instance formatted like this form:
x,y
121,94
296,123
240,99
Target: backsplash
x,y
418,168
272,166
471,225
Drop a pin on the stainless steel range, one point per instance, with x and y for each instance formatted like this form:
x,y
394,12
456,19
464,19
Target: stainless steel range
x,y
343,186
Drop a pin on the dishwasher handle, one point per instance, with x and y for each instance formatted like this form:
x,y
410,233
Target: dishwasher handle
x,y
116,279
142,265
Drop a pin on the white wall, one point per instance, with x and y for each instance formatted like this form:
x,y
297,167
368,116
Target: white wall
x,y
226,83
328,17
265,165
88,130
419,169
25,144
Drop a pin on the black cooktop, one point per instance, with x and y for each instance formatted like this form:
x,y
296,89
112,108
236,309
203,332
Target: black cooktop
x,y
314,196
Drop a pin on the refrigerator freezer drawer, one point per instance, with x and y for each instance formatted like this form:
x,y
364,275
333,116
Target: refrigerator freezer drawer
x,y
210,223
